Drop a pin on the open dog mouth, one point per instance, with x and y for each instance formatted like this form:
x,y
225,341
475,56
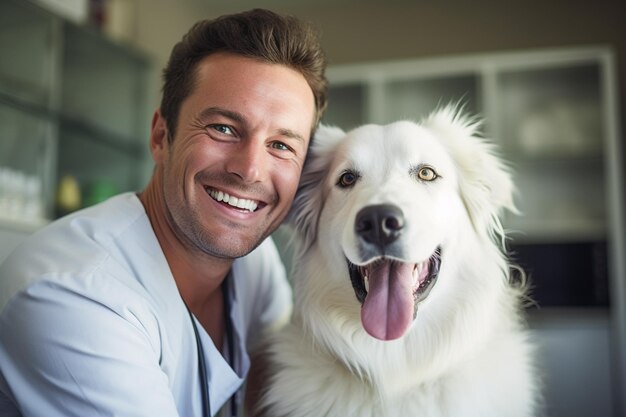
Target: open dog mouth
x,y
240,203
389,292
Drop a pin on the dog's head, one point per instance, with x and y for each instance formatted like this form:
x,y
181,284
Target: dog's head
x,y
387,202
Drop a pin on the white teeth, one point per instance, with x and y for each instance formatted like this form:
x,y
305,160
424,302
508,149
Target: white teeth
x,y
241,203
417,272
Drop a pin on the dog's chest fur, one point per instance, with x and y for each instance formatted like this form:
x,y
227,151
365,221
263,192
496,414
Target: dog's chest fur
x,y
313,383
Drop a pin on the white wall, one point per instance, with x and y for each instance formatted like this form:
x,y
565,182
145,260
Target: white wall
x,y
9,239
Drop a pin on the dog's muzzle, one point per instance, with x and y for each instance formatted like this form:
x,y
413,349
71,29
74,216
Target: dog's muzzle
x,y
388,288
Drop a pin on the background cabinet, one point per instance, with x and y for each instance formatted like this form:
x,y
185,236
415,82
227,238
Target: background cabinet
x,y
72,103
553,114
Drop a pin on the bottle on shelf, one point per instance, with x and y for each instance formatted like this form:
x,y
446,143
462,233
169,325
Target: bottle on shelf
x,y
68,196
20,196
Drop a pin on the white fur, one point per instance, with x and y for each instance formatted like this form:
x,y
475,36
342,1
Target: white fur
x,y
467,352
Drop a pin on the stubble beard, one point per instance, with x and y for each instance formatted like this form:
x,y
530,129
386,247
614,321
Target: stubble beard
x,y
187,225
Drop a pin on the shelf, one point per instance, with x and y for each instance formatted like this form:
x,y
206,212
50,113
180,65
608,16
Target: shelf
x,y
97,165
554,111
125,143
94,67
20,91
24,106
522,161
28,37
101,137
24,141
536,231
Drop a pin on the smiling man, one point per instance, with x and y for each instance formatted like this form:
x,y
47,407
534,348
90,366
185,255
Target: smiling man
x,y
149,304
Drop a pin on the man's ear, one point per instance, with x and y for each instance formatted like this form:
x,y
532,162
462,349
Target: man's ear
x,y
159,144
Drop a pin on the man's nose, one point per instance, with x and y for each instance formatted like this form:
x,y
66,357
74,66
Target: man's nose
x,y
248,161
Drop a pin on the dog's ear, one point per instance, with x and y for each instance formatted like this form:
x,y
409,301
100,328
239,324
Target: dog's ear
x,y
484,180
309,200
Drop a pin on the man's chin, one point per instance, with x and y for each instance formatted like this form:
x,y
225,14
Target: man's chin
x,y
224,240
228,246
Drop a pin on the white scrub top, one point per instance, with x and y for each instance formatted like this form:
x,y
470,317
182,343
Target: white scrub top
x,y
92,324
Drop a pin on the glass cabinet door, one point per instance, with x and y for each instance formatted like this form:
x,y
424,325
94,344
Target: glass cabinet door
x,y
551,127
27,41
414,99
346,106
25,148
100,166
103,85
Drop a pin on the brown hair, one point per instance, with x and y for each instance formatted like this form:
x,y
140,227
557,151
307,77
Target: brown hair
x,y
256,33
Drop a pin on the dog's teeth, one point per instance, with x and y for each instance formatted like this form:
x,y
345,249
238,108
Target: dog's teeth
x,y
417,272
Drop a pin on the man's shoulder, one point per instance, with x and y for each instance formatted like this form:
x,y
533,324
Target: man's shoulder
x,y
72,248
78,239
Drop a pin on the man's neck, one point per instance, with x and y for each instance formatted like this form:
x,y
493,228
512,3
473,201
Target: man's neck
x,y
198,275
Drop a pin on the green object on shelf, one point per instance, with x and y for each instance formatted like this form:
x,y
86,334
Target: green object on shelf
x,y
99,191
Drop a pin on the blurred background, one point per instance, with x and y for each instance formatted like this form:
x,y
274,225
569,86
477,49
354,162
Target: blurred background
x,y
79,80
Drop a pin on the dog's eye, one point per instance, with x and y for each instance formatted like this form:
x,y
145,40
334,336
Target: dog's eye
x,y
347,179
426,174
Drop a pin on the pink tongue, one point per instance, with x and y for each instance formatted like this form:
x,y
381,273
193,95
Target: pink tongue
x,y
388,311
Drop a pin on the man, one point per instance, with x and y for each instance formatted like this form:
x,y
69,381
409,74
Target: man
x,y
146,305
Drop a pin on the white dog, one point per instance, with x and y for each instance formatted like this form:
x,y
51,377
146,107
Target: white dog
x,y
404,305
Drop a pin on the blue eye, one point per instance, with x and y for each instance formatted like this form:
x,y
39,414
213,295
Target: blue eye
x,y
280,146
347,179
223,129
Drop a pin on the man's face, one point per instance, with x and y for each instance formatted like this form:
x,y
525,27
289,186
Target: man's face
x,y
242,135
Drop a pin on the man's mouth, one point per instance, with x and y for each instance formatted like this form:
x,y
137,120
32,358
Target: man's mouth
x,y
240,203
390,290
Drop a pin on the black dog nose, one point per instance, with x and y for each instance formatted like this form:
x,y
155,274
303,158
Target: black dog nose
x,y
379,224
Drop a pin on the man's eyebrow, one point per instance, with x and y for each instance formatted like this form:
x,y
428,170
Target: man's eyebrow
x,y
291,134
229,114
